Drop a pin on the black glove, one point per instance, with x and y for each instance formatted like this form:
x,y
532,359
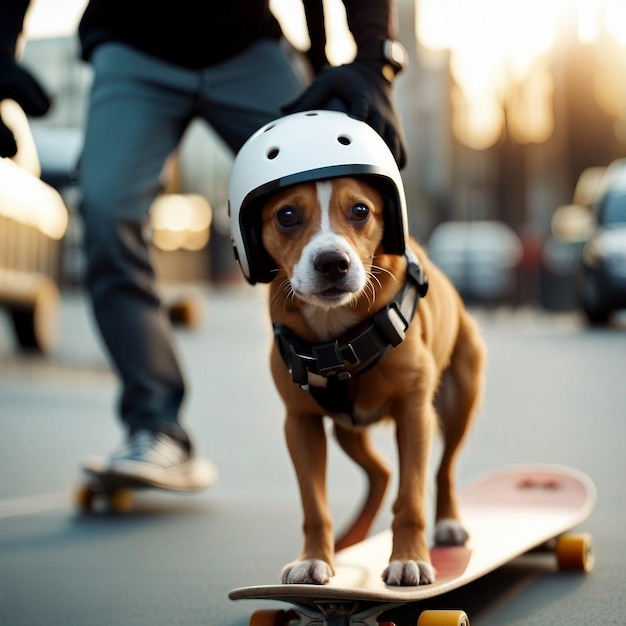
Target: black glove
x,y
17,83
365,94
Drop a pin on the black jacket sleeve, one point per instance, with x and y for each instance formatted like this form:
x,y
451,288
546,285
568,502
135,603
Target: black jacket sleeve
x,y
16,82
12,14
370,20
314,12
360,88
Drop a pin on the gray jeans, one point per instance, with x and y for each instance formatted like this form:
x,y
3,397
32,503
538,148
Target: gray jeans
x,y
139,110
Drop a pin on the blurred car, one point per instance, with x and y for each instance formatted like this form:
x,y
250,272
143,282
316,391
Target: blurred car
x,y
480,258
33,223
571,227
603,265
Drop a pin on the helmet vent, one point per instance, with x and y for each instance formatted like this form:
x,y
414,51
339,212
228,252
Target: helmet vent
x,y
272,153
343,140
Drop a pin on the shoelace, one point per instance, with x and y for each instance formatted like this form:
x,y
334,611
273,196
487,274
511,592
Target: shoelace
x,y
138,444
150,447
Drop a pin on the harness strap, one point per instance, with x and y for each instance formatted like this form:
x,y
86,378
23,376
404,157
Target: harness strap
x,y
367,343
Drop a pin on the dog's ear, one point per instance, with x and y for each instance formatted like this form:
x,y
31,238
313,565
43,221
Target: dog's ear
x,y
394,235
261,266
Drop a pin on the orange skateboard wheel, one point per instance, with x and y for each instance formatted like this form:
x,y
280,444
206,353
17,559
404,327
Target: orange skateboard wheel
x,y
575,552
84,498
120,501
443,618
89,499
186,312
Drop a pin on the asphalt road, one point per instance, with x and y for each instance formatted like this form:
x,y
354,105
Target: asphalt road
x,y
556,393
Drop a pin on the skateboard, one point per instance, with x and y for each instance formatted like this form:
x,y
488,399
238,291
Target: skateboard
x,y
508,512
185,311
106,490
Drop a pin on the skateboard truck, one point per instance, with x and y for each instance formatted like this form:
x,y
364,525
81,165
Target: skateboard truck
x,y
332,615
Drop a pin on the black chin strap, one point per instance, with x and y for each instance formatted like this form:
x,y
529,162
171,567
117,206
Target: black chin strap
x,y
362,346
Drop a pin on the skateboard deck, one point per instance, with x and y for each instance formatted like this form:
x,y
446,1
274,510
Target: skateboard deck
x,y
114,491
507,512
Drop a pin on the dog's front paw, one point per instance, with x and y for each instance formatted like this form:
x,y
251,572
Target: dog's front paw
x,y
450,532
312,572
409,573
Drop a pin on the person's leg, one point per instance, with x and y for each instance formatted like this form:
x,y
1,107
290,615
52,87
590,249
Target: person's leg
x,y
138,112
246,92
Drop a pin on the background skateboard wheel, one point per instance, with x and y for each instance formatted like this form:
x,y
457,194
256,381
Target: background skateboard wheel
x,y
36,317
185,312
575,552
272,617
443,618
89,499
120,501
84,499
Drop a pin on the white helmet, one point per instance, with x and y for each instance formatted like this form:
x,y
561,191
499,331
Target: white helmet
x,y
303,147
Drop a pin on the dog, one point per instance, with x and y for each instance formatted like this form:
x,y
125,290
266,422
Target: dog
x,y
363,335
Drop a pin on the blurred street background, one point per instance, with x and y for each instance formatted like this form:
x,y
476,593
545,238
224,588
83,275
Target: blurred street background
x,y
511,111
555,394
515,119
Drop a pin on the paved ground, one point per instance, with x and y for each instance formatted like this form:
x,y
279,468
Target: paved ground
x,y
556,393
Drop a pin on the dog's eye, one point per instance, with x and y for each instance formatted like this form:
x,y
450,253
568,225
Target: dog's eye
x,y
360,212
288,217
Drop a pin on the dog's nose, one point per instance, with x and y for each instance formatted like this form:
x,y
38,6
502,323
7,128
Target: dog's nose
x,y
332,264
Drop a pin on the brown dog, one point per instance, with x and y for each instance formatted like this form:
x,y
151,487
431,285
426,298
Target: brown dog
x,y
333,283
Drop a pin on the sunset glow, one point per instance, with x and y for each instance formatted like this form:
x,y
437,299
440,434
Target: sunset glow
x,y
499,56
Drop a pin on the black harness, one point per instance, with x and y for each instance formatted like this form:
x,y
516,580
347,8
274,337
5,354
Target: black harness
x,y
328,370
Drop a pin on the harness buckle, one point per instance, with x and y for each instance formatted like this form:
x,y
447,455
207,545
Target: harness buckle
x,y
328,358
299,372
391,324
417,273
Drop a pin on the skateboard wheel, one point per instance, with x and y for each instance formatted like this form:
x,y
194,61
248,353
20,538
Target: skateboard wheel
x,y
272,617
36,321
120,501
443,618
185,312
85,498
575,552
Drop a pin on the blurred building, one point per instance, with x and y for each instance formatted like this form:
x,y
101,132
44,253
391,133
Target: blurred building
x,y
504,104
514,155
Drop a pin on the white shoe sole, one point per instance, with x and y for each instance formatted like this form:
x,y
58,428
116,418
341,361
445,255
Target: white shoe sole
x,y
193,475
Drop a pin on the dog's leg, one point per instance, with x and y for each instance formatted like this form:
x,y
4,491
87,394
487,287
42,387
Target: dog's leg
x,y
306,441
410,557
459,396
358,446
